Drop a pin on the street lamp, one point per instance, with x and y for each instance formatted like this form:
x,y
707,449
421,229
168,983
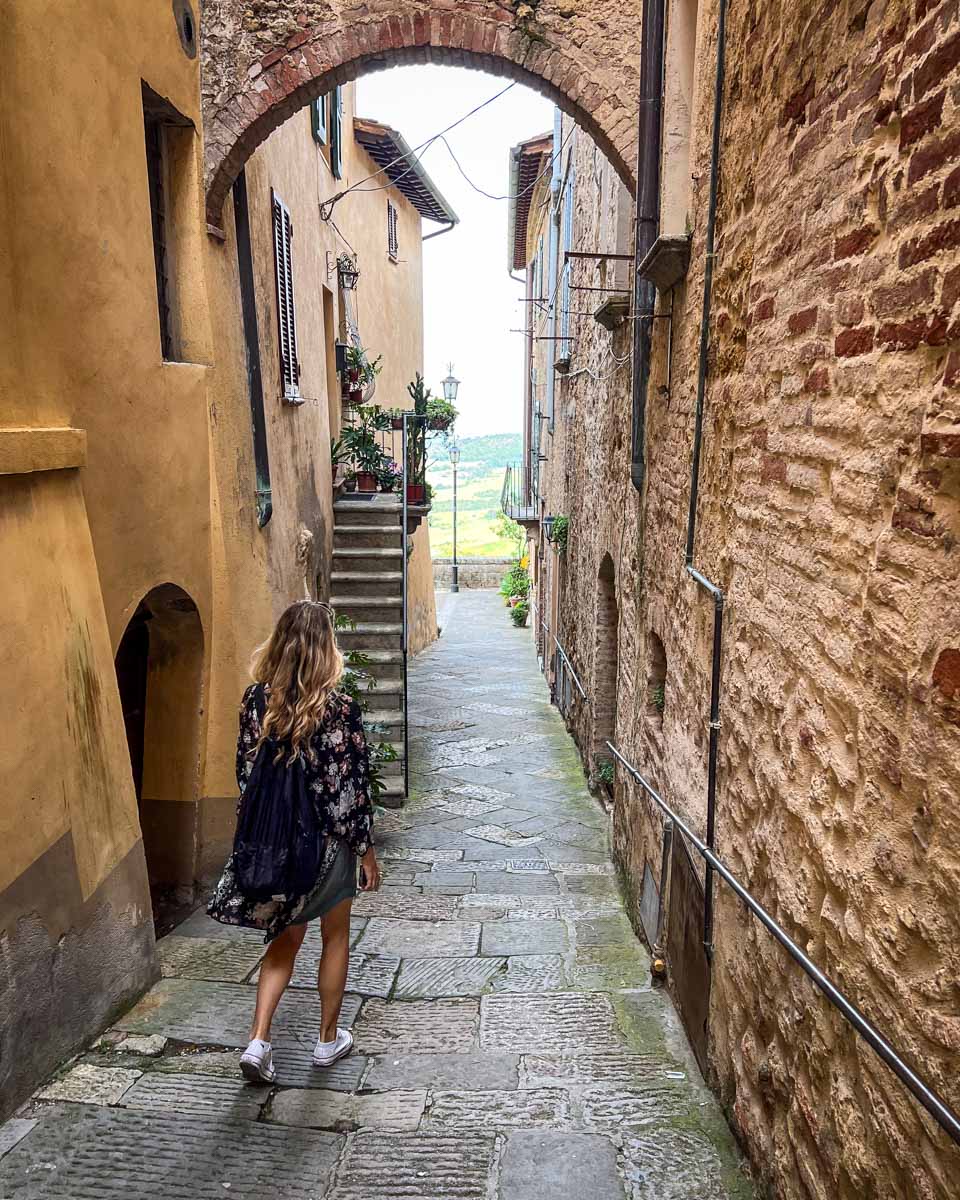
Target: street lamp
x,y
450,385
454,460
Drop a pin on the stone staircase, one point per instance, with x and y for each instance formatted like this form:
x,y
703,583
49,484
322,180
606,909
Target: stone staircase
x,y
367,585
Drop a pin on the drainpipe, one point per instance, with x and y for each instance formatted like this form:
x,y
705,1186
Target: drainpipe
x,y
701,580
437,233
648,221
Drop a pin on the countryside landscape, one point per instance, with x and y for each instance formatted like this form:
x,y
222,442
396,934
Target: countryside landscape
x,y
479,480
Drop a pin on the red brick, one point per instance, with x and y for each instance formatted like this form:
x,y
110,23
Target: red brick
x,y
802,322
903,335
941,445
946,674
951,189
913,206
937,66
796,106
818,381
933,155
854,243
773,469
763,312
904,294
850,310
943,237
921,120
950,293
810,352
851,342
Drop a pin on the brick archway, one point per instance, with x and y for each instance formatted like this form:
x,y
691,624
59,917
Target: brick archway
x,y
260,66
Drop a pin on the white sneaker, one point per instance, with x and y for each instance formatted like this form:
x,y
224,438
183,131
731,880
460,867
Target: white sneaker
x,y
328,1053
256,1062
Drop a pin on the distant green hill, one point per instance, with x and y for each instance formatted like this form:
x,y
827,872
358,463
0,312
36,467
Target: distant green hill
x,y
483,461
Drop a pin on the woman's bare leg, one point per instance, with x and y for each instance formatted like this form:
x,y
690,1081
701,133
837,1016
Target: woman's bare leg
x,y
275,973
332,972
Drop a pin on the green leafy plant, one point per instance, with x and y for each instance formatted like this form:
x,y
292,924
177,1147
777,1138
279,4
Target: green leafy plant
x,y
516,583
658,697
380,753
561,528
605,773
506,527
417,430
519,612
339,453
440,413
360,367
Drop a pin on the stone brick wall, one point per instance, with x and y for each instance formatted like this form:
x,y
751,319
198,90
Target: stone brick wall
x,y
471,572
262,61
829,513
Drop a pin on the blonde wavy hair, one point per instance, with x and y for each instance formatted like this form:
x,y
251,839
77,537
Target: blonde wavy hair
x,y
302,665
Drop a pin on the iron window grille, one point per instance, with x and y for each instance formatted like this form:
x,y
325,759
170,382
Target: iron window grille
x,y
393,243
286,314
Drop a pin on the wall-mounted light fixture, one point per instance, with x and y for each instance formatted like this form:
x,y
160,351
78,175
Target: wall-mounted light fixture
x,y
547,524
347,272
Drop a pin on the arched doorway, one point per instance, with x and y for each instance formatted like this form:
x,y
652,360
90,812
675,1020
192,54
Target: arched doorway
x,y
606,662
159,664
258,72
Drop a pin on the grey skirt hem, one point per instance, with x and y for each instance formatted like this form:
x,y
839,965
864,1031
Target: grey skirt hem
x,y
339,884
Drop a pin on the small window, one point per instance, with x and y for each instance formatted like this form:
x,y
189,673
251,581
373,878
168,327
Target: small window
x,y
286,316
393,245
335,108
318,119
167,136
566,303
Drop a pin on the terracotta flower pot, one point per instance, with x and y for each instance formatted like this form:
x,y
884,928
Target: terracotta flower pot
x,y
439,424
396,422
366,481
416,493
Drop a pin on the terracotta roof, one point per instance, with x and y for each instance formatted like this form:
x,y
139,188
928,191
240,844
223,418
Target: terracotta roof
x,y
528,163
385,146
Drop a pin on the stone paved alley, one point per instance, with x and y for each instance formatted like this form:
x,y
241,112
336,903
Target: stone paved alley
x,y
508,1042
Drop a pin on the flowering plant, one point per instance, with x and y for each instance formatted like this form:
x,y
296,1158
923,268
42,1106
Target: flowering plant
x,y
389,475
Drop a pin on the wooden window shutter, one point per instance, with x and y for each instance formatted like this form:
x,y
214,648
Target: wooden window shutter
x,y
393,243
336,133
286,316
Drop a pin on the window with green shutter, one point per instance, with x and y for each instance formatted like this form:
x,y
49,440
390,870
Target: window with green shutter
x,y
336,132
286,316
318,118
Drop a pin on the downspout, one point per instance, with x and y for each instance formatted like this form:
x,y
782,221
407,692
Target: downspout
x,y
437,232
698,578
648,221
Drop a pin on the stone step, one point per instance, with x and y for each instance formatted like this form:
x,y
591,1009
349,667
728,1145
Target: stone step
x,y
369,608
367,512
371,636
367,559
390,721
352,536
367,583
386,695
392,796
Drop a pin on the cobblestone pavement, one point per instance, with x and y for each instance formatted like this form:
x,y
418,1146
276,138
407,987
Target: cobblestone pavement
x,y
508,1042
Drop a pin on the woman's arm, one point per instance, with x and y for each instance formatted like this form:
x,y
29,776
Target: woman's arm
x,y
249,737
355,811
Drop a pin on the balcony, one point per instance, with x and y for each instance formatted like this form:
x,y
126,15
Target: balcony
x,y
516,498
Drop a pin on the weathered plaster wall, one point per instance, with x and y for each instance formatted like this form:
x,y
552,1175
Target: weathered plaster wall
x,y
829,513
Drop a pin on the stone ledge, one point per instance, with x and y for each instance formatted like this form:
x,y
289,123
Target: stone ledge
x,y
24,449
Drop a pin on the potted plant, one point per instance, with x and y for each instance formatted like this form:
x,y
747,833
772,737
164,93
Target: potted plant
x,y
359,373
366,455
605,776
560,532
519,613
340,459
417,443
389,475
441,414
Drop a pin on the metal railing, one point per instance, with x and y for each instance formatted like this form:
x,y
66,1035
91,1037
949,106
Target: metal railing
x,y
516,496
941,1112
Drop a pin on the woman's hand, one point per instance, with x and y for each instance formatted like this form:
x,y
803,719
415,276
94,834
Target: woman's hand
x,y
369,872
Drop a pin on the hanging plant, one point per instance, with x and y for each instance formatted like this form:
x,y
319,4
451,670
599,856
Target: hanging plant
x,y
561,528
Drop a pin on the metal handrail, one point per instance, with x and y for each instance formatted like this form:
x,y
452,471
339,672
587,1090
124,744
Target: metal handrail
x,y
564,656
403,634
941,1112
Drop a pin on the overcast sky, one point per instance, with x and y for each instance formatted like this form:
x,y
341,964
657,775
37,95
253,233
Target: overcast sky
x,y
470,302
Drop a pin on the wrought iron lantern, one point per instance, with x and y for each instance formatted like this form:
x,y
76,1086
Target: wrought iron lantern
x,y
347,272
450,385
548,523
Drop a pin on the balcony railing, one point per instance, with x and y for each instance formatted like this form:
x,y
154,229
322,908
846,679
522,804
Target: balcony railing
x,y
516,499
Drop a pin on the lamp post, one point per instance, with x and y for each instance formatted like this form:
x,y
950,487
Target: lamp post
x,y
454,459
450,386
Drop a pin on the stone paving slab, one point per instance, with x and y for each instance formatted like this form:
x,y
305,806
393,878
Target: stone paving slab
x,y
421,978
293,1063
13,1131
420,939
219,1013
396,1111
460,1072
582,1021
603,968
619,1069
198,1095
531,973
542,1165
417,1027
497,1110
523,937
227,960
130,1154
420,1167
418,908
90,1084
367,975
679,1164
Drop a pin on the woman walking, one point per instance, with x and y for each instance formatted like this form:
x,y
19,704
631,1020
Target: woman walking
x,y
300,739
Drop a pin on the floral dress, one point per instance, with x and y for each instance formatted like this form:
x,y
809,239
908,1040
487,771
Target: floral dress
x,y
339,779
